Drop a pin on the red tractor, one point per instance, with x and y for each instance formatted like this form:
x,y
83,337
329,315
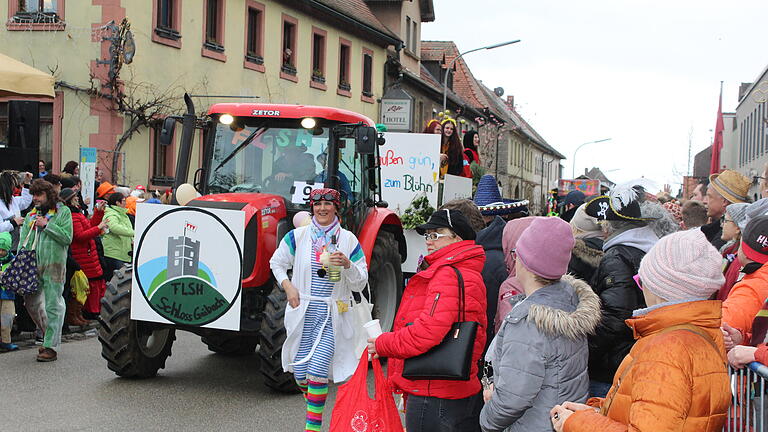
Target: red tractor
x,y
263,159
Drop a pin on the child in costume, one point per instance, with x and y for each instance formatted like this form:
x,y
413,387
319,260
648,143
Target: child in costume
x,y
7,308
319,344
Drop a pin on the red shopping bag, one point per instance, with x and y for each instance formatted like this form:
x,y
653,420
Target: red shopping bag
x,y
355,411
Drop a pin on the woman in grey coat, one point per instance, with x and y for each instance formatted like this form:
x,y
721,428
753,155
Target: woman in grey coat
x,y
540,354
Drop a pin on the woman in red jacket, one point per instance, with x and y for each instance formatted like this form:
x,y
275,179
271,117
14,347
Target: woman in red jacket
x,y
428,308
83,248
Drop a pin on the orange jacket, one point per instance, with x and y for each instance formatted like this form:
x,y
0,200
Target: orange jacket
x,y
674,381
745,300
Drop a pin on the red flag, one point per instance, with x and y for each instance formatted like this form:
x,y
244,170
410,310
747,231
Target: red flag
x,y
717,143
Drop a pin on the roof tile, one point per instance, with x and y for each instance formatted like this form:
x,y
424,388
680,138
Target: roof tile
x,y
360,11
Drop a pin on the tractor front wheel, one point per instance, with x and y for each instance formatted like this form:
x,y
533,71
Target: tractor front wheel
x,y
131,348
273,335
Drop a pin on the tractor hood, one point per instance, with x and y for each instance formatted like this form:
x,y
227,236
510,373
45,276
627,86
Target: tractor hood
x,y
265,221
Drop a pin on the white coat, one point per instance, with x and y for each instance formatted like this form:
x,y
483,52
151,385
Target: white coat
x,y
18,203
345,360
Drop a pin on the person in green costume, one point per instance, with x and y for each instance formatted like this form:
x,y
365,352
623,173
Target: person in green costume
x,y
118,241
52,223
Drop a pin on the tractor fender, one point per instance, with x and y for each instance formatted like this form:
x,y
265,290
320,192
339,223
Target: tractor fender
x,y
381,219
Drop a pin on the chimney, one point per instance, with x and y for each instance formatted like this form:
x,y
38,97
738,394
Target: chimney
x,y
743,90
511,102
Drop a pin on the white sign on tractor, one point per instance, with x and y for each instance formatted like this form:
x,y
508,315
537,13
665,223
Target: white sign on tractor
x,y
410,167
187,265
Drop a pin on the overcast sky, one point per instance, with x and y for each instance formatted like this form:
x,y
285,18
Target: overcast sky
x,y
644,73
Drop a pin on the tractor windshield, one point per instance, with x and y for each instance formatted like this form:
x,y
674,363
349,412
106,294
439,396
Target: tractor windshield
x,y
267,155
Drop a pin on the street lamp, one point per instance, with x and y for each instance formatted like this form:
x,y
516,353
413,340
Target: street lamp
x,y
573,168
450,65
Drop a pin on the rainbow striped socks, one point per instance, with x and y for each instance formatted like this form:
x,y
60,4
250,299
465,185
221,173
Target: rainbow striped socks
x,y
303,387
316,394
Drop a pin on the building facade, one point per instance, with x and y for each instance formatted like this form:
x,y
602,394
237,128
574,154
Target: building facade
x,y
416,72
113,89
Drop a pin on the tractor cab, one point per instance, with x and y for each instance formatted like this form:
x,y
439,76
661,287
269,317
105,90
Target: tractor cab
x,y
289,150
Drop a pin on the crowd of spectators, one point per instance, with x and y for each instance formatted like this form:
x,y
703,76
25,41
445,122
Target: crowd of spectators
x,y
74,240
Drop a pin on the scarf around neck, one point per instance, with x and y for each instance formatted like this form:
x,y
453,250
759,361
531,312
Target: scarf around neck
x,y
321,235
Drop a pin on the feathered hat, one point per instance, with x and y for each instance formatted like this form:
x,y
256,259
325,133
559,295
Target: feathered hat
x,y
622,203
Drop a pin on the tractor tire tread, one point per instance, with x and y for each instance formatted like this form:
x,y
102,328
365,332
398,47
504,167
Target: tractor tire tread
x,y
119,346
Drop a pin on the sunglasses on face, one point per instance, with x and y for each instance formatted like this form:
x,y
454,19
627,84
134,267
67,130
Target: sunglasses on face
x,y
323,197
434,236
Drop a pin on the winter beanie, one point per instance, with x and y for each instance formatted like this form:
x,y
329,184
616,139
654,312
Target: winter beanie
x,y
682,266
738,212
757,208
545,247
584,222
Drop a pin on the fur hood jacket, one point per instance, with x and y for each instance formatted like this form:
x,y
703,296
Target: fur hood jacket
x,y
585,258
540,356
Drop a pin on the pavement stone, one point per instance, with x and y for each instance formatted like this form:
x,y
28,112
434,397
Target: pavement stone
x,y
198,391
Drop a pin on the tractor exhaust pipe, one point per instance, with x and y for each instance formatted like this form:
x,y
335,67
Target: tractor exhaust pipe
x,y
185,145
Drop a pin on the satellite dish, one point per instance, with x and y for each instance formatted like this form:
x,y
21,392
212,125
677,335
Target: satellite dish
x,y
129,47
498,91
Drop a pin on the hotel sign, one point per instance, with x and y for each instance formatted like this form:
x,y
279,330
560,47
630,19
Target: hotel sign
x,y
397,110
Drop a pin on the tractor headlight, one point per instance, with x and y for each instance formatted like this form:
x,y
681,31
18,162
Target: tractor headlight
x,y
226,119
308,123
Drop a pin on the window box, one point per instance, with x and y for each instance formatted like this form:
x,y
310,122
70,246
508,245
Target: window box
x,y
36,15
254,59
318,78
288,69
345,86
213,46
36,18
167,33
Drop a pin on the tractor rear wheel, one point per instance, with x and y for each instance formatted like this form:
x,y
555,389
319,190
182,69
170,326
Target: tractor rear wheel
x,y
386,278
273,335
230,343
131,348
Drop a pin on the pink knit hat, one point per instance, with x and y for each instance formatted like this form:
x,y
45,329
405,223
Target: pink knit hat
x,y
545,247
682,266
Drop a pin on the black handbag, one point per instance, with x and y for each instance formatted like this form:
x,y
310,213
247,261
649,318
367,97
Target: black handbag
x,y
452,358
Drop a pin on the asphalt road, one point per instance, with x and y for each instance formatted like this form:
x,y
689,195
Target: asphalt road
x,y
197,391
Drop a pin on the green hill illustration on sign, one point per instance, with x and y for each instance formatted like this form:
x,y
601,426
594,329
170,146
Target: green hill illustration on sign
x,y
182,288
188,299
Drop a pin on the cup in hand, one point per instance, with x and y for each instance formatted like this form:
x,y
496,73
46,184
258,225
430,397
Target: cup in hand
x,y
373,328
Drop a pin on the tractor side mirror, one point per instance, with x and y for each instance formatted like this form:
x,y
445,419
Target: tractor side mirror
x,y
365,140
166,133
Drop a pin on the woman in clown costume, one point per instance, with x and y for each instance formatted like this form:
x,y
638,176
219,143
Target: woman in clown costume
x,y
319,344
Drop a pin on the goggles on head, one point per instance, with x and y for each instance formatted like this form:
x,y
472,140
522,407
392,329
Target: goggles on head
x,y
323,197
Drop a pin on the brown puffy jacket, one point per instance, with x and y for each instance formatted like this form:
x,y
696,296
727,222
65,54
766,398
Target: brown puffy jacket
x,y
675,381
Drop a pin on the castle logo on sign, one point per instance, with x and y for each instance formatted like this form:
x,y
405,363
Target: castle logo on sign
x,y
187,266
